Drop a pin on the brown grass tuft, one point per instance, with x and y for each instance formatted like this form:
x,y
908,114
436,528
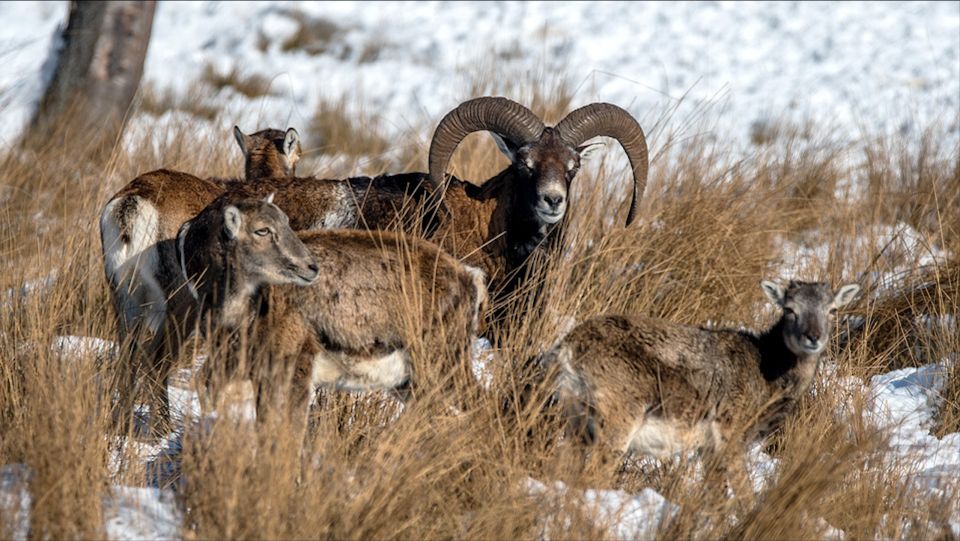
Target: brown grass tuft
x,y
314,36
157,102
251,85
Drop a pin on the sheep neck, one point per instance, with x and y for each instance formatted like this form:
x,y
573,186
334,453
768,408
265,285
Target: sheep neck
x,y
232,298
781,367
525,235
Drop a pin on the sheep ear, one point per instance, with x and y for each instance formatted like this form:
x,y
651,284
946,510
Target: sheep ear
x,y
232,221
774,292
585,151
845,295
242,140
506,146
269,197
291,144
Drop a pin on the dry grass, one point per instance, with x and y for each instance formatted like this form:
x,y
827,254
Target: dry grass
x,y
314,36
345,128
710,229
251,85
157,102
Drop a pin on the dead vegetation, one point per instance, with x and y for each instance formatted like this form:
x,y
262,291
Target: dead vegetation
x,y
709,230
251,85
157,102
314,35
344,127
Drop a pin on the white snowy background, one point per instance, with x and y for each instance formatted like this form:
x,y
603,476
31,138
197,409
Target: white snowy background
x,y
859,68
876,67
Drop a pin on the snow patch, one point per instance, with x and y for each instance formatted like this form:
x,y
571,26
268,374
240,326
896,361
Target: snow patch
x,y
482,358
15,501
843,64
141,513
77,347
630,516
31,287
904,402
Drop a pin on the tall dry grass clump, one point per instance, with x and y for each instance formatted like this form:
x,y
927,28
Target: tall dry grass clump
x,y
710,228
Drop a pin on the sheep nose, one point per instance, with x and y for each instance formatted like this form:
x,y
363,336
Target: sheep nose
x,y
812,336
313,268
554,200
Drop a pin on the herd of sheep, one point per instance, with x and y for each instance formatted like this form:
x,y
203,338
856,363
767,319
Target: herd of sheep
x,y
306,282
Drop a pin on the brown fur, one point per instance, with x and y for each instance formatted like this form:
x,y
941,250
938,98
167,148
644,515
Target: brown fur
x,y
355,310
264,154
383,202
475,228
498,224
138,226
147,212
177,196
616,373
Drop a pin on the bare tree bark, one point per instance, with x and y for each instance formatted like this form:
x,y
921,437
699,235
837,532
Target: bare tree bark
x,y
97,75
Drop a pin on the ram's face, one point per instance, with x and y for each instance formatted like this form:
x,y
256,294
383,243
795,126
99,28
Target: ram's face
x,y
545,169
550,165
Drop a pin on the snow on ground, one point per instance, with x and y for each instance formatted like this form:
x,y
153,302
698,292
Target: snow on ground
x,y
141,513
905,403
14,502
39,285
28,33
129,512
886,67
632,516
81,346
900,249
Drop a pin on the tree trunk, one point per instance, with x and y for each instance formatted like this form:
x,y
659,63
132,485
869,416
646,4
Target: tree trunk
x,y
97,75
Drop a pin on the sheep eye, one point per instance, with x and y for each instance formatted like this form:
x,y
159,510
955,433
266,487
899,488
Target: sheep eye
x,y
262,232
833,312
789,311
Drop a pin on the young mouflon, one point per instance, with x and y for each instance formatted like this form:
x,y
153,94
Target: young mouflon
x,y
139,222
654,387
327,307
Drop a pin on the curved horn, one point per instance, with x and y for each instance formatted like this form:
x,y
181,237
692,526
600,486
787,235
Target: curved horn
x,y
609,120
501,115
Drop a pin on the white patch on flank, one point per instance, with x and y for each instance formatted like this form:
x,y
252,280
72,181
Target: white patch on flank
x,y
354,373
114,251
183,267
132,267
480,282
344,213
662,438
564,356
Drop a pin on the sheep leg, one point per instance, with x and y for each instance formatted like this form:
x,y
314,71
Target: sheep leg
x,y
130,367
166,346
459,382
724,461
